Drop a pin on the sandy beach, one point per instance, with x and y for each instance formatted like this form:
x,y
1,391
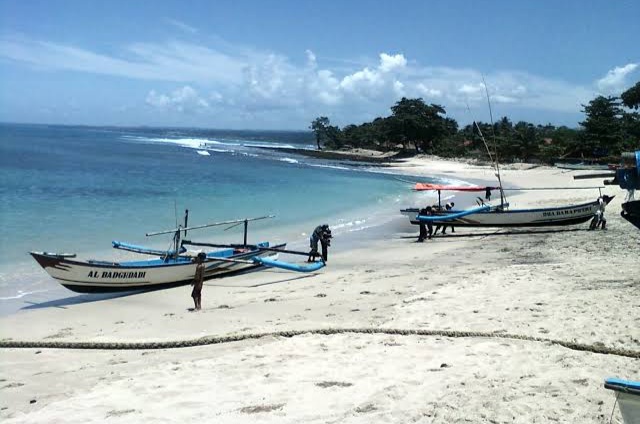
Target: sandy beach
x,y
572,286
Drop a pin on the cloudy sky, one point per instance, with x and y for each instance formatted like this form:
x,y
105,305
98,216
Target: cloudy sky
x,y
279,64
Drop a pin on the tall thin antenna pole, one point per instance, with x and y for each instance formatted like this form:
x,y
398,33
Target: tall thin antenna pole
x,y
495,145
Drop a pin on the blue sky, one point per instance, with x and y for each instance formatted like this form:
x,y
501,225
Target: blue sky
x,y
279,64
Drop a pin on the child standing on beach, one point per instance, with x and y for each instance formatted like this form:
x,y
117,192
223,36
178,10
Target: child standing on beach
x,y
198,281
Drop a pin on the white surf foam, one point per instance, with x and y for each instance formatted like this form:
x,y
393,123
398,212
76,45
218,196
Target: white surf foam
x,y
290,160
344,168
203,153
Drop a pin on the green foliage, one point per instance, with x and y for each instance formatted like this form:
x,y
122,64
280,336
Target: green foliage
x,y
631,97
417,127
603,133
325,132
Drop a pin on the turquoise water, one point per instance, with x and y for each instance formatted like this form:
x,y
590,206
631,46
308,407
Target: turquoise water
x,y
75,189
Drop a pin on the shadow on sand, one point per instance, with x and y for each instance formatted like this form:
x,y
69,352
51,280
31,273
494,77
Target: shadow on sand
x,y
499,232
78,299
264,271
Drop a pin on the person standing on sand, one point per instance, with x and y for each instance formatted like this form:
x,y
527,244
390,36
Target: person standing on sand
x,y
448,207
428,211
321,234
198,281
598,219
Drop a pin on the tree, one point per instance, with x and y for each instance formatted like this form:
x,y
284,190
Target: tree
x,y
319,127
631,97
602,128
415,121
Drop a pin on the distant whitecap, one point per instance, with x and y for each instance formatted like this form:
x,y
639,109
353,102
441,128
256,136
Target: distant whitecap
x,y
290,160
203,153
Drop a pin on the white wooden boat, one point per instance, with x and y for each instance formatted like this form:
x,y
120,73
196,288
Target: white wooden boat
x,y
498,217
169,268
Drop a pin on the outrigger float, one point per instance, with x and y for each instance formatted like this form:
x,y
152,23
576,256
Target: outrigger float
x,y
169,268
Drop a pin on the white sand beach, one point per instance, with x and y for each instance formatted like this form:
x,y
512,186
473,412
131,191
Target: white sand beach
x,y
574,286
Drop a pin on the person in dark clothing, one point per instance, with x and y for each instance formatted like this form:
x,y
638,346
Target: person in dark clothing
x,y
198,281
487,193
325,242
448,207
321,234
424,226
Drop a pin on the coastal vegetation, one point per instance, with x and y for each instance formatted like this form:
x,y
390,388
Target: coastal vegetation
x,y
611,126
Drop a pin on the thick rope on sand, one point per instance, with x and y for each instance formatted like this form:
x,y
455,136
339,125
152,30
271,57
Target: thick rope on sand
x,y
211,340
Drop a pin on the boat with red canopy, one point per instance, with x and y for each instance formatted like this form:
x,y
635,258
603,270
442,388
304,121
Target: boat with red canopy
x,y
488,215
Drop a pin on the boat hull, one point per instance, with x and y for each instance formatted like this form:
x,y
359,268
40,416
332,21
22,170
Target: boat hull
x,y
631,212
628,398
100,276
543,217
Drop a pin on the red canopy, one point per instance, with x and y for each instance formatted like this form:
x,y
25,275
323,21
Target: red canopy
x,y
427,186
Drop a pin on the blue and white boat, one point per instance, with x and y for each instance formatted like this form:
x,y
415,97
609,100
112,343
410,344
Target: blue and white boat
x,y
486,215
627,397
168,268
500,217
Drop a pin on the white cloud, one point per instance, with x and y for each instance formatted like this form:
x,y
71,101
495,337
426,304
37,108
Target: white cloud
x,y
616,79
184,99
269,86
390,63
181,25
311,59
471,88
398,89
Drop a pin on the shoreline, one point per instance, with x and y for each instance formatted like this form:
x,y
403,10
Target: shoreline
x,y
571,285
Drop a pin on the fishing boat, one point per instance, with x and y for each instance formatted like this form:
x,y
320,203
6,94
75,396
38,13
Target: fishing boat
x,y
169,268
627,397
626,176
488,215
631,212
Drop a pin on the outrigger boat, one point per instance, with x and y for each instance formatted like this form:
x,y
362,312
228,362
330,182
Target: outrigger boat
x,y
487,215
169,268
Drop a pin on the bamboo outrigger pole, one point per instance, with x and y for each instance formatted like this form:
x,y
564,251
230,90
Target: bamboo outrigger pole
x,y
234,221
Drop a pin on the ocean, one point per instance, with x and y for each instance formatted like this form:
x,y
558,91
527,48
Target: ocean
x,y
74,189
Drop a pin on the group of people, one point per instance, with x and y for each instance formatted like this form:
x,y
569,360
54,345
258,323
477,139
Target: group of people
x,y
321,234
426,228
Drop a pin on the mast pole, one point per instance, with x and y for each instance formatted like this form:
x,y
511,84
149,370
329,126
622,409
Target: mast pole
x,y
186,220
246,227
503,198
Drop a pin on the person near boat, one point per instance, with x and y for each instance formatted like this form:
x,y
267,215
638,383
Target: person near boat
x,y
322,235
448,207
599,220
198,281
426,229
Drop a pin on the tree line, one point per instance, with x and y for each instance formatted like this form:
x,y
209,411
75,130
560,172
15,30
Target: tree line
x,y
611,126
